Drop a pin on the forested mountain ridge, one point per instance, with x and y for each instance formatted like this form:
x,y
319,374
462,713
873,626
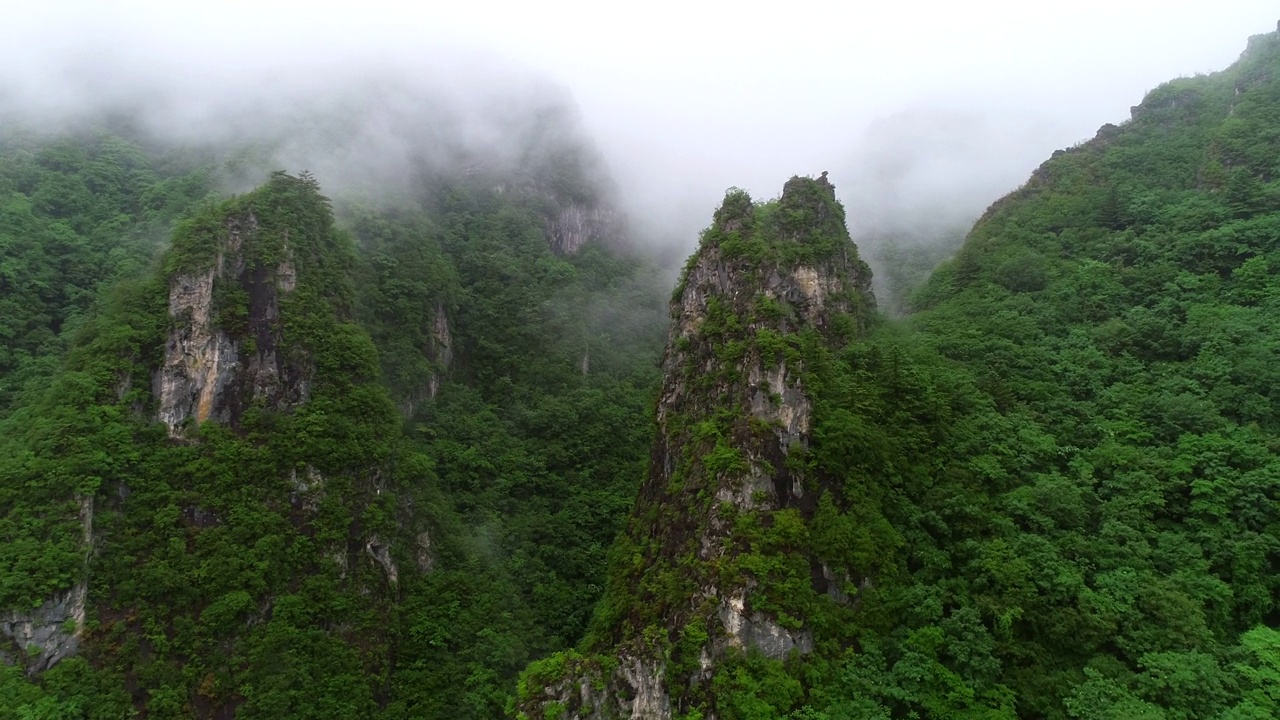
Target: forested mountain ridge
x,y
276,449
1057,481
704,571
273,455
193,527
76,215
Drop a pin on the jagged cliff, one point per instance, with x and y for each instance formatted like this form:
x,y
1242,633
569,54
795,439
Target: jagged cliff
x,y
250,478
574,225
209,507
207,373
42,637
704,575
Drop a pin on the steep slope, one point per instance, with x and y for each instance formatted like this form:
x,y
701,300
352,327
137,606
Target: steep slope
x,y
1117,309
538,432
243,554
521,368
76,214
709,569
291,475
1053,489
1102,541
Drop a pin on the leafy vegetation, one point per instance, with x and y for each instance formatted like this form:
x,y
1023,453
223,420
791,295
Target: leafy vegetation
x,y
76,215
1075,436
1054,486
472,396
1051,491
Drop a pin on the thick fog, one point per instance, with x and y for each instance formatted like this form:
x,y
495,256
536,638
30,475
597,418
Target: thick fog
x,y
922,113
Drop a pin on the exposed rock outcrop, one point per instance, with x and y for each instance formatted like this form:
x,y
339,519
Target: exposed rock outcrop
x,y
576,224
380,552
43,637
291,485
769,289
636,689
757,631
442,350
210,370
437,350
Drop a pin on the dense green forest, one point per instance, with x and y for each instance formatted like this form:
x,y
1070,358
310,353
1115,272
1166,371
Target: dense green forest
x,y
1051,490
1056,479
78,214
479,406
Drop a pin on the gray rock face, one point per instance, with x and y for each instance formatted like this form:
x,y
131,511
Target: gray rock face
x,y
198,357
575,225
423,554
734,410
43,637
440,353
442,342
649,699
381,554
767,388
636,690
756,630
307,488
208,374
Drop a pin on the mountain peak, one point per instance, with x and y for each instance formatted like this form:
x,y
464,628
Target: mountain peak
x,y
771,288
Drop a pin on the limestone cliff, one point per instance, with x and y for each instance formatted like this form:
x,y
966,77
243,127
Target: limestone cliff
x,y
696,580
42,637
439,352
212,371
257,461
571,226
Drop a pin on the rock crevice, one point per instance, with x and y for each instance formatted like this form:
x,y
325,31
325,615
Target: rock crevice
x,y
223,350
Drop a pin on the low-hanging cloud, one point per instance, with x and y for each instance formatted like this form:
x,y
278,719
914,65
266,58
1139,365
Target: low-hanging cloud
x,y
923,114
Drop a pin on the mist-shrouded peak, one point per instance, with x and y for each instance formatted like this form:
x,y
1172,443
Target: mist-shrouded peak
x,y
771,289
377,131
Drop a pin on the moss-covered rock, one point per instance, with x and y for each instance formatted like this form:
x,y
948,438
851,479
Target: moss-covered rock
x,y
716,571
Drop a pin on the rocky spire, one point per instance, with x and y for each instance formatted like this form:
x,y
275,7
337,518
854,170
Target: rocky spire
x,y
222,350
770,289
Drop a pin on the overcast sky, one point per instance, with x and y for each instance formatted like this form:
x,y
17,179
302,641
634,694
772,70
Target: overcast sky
x,y
688,98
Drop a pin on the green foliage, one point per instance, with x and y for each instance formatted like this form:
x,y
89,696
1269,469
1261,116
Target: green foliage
x,y
226,583
76,215
212,592
1052,492
804,226
1078,415
750,687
